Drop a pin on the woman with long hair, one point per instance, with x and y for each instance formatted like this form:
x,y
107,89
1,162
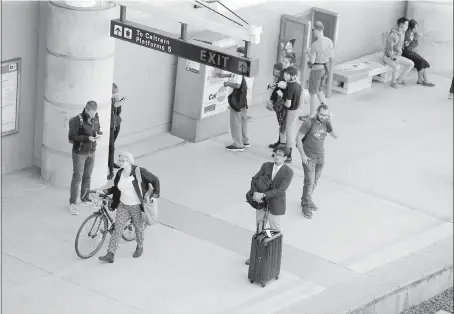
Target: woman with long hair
x,y
410,43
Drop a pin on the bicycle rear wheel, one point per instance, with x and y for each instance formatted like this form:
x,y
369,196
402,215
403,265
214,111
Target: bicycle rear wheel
x,y
93,230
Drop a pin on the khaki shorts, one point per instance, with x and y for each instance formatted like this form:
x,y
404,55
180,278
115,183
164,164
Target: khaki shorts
x,y
315,81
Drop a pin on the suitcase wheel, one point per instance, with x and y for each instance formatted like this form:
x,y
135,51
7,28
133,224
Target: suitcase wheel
x,y
277,277
263,284
252,281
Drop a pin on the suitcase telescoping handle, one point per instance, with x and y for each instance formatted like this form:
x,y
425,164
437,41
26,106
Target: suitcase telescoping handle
x,y
262,221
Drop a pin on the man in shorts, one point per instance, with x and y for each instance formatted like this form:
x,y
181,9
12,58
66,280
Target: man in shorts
x,y
322,51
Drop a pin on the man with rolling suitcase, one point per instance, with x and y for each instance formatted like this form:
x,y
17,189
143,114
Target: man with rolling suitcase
x,y
266,248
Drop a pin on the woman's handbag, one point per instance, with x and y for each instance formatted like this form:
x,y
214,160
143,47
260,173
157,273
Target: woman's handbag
x,y
150,207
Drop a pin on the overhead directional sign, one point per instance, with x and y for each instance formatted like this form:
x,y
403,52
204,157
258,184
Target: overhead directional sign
x,y
189,49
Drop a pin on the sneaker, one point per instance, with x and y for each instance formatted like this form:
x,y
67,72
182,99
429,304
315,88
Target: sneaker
x,y
247,145
313,207
401,82
87,200
307,212
72,209
233,148
394,85
109,257
274,145
110,176
450,96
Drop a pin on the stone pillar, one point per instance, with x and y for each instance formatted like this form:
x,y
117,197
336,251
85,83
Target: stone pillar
x,y
79,67
435,19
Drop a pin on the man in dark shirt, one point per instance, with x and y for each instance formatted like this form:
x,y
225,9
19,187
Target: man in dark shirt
x,y
115,120
292,95
310,142
84,132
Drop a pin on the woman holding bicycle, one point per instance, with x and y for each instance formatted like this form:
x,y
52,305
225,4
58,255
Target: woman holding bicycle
x,y
127,197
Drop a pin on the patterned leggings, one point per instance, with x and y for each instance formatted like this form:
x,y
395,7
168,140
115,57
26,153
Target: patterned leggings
x,y
124,212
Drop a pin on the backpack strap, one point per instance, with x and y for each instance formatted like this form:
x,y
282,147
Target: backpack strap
x,y
308,131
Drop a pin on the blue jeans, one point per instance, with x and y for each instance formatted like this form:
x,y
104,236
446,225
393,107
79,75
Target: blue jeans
x,y
82,170
312,172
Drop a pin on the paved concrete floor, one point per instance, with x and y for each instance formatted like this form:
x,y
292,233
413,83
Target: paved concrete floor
x,y
386,193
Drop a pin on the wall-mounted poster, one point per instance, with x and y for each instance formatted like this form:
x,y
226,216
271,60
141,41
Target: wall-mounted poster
x,y
10,96
192,66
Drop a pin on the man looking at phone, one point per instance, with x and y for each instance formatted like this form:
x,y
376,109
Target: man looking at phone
x,y
115,120
84,132
310,142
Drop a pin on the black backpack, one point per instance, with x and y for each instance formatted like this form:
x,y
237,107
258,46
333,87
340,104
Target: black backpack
x,y
81,124
262,185
238,98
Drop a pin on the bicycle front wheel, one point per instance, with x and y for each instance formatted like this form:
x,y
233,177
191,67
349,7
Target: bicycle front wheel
x,y
91,235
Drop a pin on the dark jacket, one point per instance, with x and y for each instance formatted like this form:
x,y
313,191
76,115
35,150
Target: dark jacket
x,y
276,197
147,178
115,112
79,134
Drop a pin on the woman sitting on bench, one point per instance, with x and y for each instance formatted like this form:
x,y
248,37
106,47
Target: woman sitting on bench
x,y
410,43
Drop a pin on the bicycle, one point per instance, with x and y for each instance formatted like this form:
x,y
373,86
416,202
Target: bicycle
x,y
101,225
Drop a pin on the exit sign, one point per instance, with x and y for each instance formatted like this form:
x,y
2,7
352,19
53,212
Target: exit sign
x,y
188,49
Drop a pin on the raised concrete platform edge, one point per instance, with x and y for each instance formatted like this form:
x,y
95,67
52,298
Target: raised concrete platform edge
x,y
389,289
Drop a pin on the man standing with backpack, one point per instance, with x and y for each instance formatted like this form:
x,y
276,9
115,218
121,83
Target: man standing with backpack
x,y
84,132
238,106
310,143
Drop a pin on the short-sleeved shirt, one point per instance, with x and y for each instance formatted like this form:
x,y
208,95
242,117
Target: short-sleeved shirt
x,y
323,50
293,93
314,142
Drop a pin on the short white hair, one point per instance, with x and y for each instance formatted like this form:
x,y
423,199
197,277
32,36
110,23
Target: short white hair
x,y
128,156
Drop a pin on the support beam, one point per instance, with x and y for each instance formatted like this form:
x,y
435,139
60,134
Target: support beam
x,y
184,31
122,13
248,46
184,12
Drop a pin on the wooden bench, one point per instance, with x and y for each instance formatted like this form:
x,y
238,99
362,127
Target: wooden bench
x,y
358,74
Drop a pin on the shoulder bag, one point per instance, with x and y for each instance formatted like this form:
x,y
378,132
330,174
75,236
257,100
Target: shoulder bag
x,y
150,207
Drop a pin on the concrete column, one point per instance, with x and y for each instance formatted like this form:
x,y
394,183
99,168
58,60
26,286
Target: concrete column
x,y
79,67
435,21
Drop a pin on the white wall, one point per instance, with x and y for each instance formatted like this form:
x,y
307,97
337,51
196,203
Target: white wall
x,y
360,26
147,77
20,39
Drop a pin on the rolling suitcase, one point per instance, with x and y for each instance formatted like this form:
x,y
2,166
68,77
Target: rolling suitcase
x,y
266,253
